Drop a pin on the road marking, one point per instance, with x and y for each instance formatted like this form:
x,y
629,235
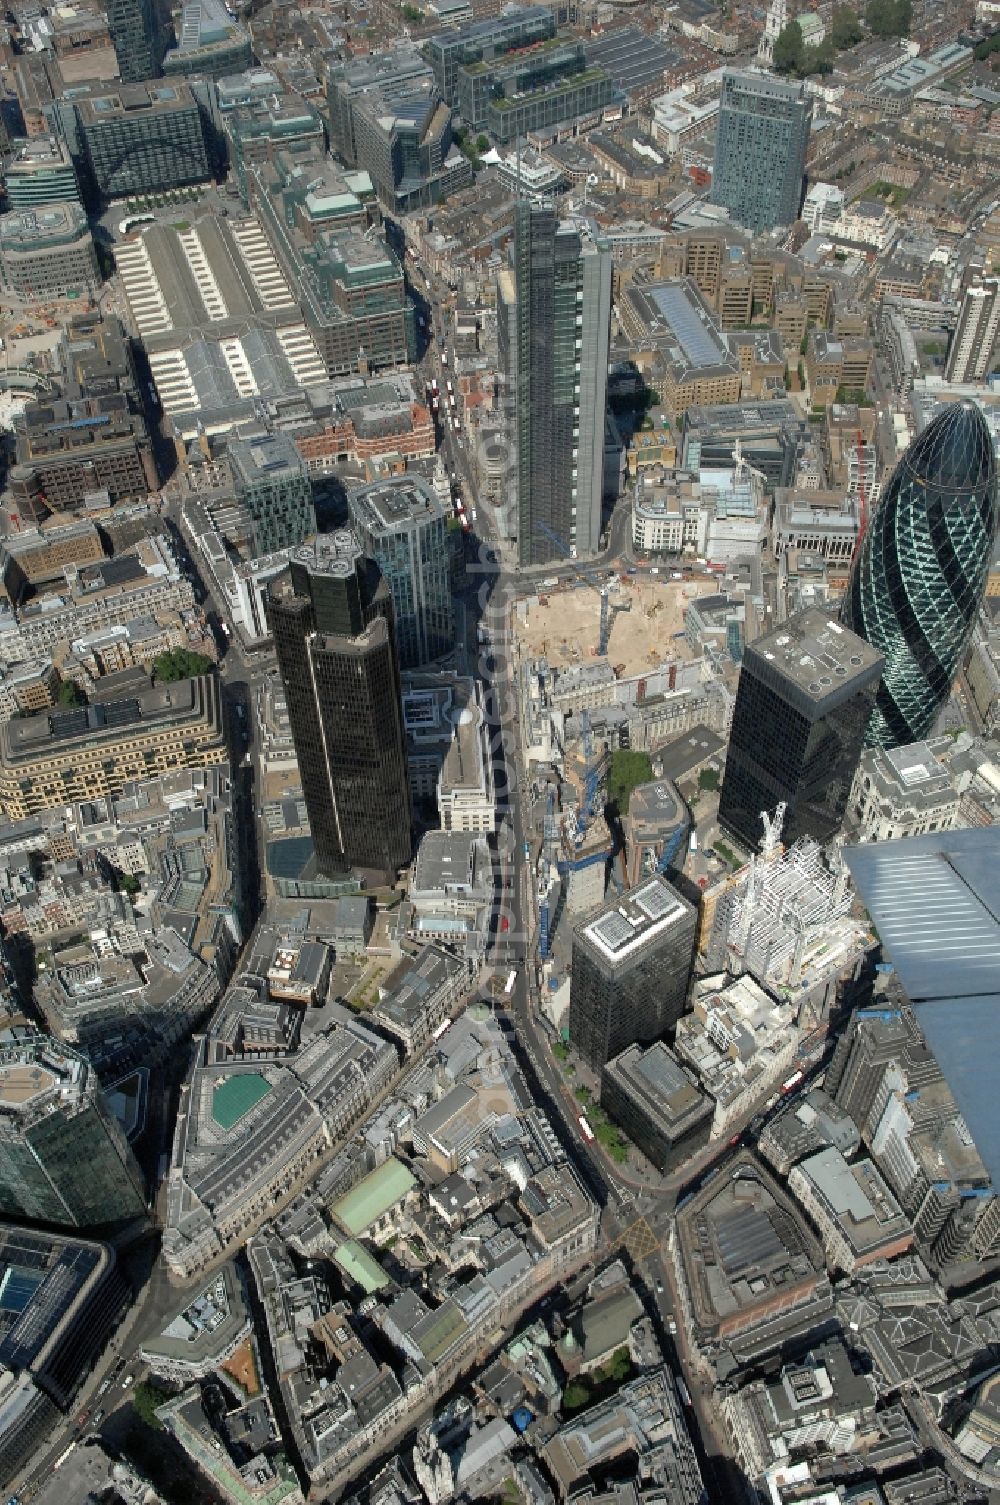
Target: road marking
x,y
639,1240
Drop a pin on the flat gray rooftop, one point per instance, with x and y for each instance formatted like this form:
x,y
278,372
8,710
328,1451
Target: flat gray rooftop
x,y
387,506
642,915
816,653
656,805
633,59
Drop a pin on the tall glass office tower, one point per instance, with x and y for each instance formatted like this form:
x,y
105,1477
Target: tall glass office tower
x,y
273,487
332,619
760,149
558,365
137,37
920,575
63,1156
631,964
400,523
804,701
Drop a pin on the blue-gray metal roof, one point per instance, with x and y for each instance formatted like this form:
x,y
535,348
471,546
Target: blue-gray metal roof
x,y
699,340
964,1036
935,901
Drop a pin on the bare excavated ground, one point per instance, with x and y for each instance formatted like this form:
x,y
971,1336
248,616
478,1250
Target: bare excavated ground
x,y
647,616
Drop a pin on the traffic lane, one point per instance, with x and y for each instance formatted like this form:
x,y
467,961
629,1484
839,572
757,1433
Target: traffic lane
x,y
530,1042
534,1069
82,1421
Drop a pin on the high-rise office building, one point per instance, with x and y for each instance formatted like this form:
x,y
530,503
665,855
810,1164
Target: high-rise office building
x,y
805,697
400,523
273,486
332,620
760,149
394,76
137,36
631,965
138,138
482,41
532,90
661,1108
351,285
63,1156
556,353
210,43
406,147
919,577
46,252
975,337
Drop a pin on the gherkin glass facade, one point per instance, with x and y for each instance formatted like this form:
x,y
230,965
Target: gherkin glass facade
x,y
920,575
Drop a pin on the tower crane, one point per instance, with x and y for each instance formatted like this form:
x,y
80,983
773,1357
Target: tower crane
x,y
772,830
590,763
548,855
743,467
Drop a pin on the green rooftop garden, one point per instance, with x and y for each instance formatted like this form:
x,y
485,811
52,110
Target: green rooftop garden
x,y
574,81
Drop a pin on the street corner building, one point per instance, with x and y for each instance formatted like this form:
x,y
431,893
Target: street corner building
x,y
920,575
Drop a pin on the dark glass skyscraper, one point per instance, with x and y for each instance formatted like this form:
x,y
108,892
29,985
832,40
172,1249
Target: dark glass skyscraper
x,y
137,37
631,964
760,149
63,1156
557,357
920,575
805,698
332,620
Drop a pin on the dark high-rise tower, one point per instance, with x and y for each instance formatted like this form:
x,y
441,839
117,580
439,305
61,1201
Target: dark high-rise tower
x,y
557,357
920,575
760,149
631,964
804,700
63,1156
137,37
332,620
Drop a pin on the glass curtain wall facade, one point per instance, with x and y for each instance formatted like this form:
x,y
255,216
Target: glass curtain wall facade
x,y
760,149
63,1157
631,965
563,312
332,620
804,701
401,524
920,575
273,486
137,38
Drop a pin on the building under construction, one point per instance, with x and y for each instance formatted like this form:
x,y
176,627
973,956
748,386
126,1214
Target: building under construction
x,y
577,843
786,919
657,827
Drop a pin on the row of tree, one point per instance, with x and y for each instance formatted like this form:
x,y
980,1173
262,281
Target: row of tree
x,y
884,18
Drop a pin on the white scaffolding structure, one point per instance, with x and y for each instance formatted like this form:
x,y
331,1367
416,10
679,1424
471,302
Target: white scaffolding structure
x,y
786,919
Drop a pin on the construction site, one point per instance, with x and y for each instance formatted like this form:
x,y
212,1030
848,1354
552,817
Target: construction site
x,y
644,614
577,843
